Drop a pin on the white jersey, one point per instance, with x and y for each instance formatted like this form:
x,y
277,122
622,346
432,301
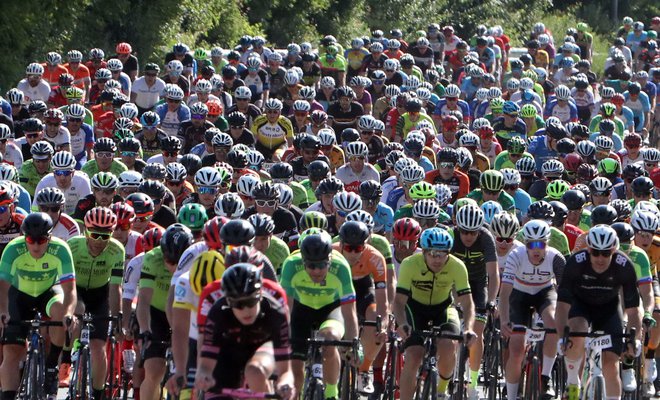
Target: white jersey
x,y
158,158
396,262
187,258
193,99
80,187
132,274
66,228
39,92
185,298
528,278
78,145
146,96
388,185
444,143
13,155
352,179
61,138
133,246
501,260
170,124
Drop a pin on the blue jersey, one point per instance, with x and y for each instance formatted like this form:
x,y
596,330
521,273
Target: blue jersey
x,y
6,108
639,107
538,147
442,110
383,219
394,197
469,89
425,163
522,200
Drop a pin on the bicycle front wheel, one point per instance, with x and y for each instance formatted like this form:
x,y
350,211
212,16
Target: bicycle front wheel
x,y
430,385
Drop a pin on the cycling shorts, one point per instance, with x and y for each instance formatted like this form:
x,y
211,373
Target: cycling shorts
x,y
365,296
479,290
305,319
422,317
24,307
96,303
521,305
228,372
160,335
601,318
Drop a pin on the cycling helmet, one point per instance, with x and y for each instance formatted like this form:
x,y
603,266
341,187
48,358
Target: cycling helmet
x,y
347,201
603,214
566,146
329,185
237,232
602,237
361,216
229,205
552,168
36,225
406,229
273,104
193,216
510,108
642,185
115,65
447,154
8,172
536,230
634,88
526,166
585,148
327,82
313,219
609,166
65,80
556,189
327,137
492,180
516,145
50,196
176,239
464,159
263,224
100,217
490,209
129,179
35,107
150,119
632,140
63,160
286,195
15,96
316,247
651,155
573,199
443,194
266,191
307,93
426,208
600,185
53,115
175,172
354,233
528,111
603,143
371,189
469,139
174,93
470,218
513,84
237,159
511,176
504,225
317,170
155,171
623,209
105,145
357,149
208,176
541,210
646,221
412,174
452,91
436,239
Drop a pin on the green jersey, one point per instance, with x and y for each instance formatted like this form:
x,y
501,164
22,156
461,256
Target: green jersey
x,y
406,212
31,276
505,199
336,288
300,198
277,252
91,168
620,127
504,161
29,178
156,276
641,262
311,194
95,272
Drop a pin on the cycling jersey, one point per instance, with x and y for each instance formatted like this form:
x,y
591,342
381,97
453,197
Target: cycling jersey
x,y
459,183
271,135
639,107
503,160
383,219
337,287
352,179
81,141
79,188
531,279
277,252
186,299
641,262
156,276
34,277
420,284
12,230
566,113
442,109
131,277
29,178
65,228
95,272
371,263
404,124
91,168
505,200
13,155
476,256
541,151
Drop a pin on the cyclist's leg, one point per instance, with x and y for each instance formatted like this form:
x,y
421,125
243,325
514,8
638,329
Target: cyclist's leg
x,y
366,308
519,314
480,297
154,356
546,306
97,305
331,329
14,343
447,349
260,367
612,324
574,354
413,350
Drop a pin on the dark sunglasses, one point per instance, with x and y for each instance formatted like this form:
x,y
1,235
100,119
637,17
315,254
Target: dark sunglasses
x,y
63,172
601,253
504,240
353,248
125,226
37,240
50,208
170,153
317,265
129,153
468,233
74,119
491,192
207,190
31,135
447,165
240,304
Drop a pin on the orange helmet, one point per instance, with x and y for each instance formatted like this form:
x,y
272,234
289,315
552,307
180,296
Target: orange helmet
x,y
215,108
100,217
124,48
124,212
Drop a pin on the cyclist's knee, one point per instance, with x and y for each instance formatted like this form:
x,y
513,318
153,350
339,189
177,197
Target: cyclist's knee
x,y
516,345
255,371
414,356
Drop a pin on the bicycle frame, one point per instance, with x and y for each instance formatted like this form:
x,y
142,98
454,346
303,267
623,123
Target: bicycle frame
x,y
313,387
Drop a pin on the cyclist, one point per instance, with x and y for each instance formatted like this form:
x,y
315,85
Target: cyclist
x,y
267,202
504,228
405,236
259,343
422,298
528,281
273,131
474,245
492,189
174,109
320,292
158,266
146,89
74,184
82,134
38,166
270,245
150,136
357,169
10,219
53,293
50,200
447,173
104,193
589,295
371,192
131,240
104,161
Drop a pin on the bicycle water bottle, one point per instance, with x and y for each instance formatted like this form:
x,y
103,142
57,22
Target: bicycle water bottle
x,y
129,360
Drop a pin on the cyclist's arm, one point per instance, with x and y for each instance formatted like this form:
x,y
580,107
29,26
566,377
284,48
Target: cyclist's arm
x,y
70,297
648,299
493,280
180,325
467,305
115,299
399,308
4,297
349,313
508,277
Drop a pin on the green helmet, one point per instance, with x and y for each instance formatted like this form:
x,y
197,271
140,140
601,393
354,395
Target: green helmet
x,y
307,232
462,202
200,54
609,166
225,176
193,216
556,189
422,190
516,145
74,92
123,133
528,111
651,34
531,74
608,109
313,219
492,180
582,27
104,180
497,104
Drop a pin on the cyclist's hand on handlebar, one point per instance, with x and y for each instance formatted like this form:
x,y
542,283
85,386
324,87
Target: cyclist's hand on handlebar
x,y
204,381
506,328
70,323
4,319
404,331
469,337
285,391
649,321
175,384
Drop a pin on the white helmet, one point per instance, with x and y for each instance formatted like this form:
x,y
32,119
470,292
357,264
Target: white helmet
x,y
480,123
443,194
286,194
423,94
513,84
357,149
452,91
470,217
127,110
208,176
229,205
392,91
562,92
391,64
243,92
34,69
543,39
366,122
347,201
115,65
602,237
327,82
412,83
174,66
63,160
174,92
481,94
273,104
651,154
646,221
536,230
327,137
412,173
526,84
130,179
504,225
53,58
301,105
291,78
511,176
426,208
203,86
494,92
245,184
402,163
362,216
5,132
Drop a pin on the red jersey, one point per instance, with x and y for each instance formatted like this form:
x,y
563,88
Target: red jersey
x,y
104,124
56,98
459,183
572,232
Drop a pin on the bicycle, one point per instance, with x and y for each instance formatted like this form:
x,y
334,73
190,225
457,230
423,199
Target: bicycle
x,y
533,365
32,384
353,379
427,375
593,373
81,377
313,387
493,369
393,362
119,380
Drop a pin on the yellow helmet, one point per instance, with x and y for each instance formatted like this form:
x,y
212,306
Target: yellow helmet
x,y
207,267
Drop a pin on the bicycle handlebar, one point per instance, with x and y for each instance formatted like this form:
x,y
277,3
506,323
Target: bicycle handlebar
x,y
248,394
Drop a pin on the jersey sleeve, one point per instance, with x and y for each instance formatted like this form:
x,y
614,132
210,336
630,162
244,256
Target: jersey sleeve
x,y
510,268
131,278
378,269
558,265
490,254
117,262
148,275
288,270
628,279
183,294
461,283
570,276
347,290
66,270
404,281
6,262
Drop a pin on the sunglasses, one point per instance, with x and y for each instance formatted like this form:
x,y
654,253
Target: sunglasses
x,y
237,127
173,183
207,189
129,153
266,203
152,75
504,240
447,165
170,153
436,253
353,158
74,119
4,209
511,187
452,98
537,244
37,240
99,235
300,114
317,264
144,218
272,112
468,233
63,172
242,99
601,253
53,123
651,165
403,243
247,302
367,133
491,192
341,213
198,117
31,135
353,248
104,154
173,101
50,208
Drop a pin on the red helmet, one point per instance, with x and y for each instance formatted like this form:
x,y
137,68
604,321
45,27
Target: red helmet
x,y
406,229
572,161
211,232
54,115
632,140
618,99
100,217
151,238
124,212
245,254
449,123
215,107
485,132
124,48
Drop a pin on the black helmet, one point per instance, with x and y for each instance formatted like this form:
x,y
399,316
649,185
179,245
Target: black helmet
x,y
329,185
642,185
241,280
266,191
245,254
171,144
540,210
350,135
176,239
192,163
413,146
565,146
624,231
154,189
632,171
354,233
310,142
316,247
447,154
237,159
606,126
154,171
236,118
634,88
623,209
129,144
370,190
414,105
580,130
33,125
263,224
561,213
36,225
105,144
603,214
317,170
281,170
573,199
237,232
141,203
556,130
37,106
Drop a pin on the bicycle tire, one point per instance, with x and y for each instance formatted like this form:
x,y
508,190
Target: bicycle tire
x,y
494,368
390,377
345,382
460,392
599,388
430,385
126,385
318,390
559,376
33,387
110,374
87,369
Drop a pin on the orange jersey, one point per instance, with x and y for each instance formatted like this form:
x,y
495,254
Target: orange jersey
x,y
372,263
80,75
52,77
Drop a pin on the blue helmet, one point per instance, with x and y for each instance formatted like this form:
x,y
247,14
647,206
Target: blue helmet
x,y
436,239
510,108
